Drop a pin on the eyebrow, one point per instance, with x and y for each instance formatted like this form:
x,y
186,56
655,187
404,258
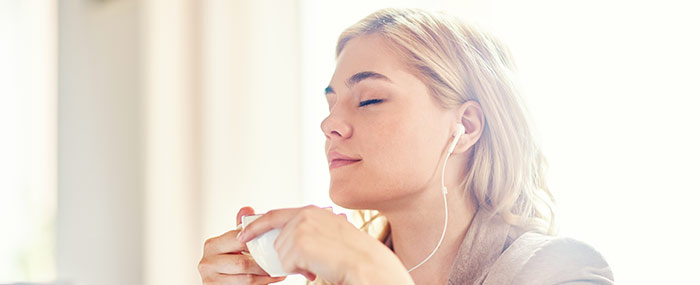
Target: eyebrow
x,y
357,77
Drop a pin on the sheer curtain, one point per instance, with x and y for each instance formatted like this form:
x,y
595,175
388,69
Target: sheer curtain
x,y
223,123
27,140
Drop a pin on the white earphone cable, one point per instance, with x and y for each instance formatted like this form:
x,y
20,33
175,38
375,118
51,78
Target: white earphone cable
x,y
444,228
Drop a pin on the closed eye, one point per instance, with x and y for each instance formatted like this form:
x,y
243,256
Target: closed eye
x,y
372,101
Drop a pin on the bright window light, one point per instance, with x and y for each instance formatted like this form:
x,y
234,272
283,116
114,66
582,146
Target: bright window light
x,y
27,141
612,87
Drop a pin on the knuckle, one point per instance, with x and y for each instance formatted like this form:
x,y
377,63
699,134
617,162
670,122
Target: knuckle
x,y
203,265
248,264
305,214
287,265
243,263
208,244
204,268
208,279
273,212
342,219
250,278
231,233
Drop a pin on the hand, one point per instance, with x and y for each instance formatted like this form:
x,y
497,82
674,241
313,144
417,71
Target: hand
x,y
314,241
224,263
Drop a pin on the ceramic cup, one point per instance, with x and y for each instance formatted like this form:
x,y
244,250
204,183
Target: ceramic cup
x,y
263,251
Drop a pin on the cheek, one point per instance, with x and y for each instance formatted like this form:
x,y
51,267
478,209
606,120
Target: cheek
x,y
412,156
398,160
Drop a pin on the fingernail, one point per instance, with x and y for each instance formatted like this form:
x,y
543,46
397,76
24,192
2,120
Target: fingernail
x,y
240,236
309,276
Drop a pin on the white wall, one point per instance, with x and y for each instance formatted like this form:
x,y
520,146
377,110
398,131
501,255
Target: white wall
x,y
251,102
172,156
250,111
100,207
173,114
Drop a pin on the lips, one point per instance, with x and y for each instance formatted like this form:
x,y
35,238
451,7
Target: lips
x,y
336,159
340,162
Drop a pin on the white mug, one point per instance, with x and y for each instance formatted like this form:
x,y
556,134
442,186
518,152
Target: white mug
x,y
262,249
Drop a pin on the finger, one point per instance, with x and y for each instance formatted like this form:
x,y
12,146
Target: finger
x,y
271,220
233,264
309,276
287,254
245,279
225,243
289,246
245,211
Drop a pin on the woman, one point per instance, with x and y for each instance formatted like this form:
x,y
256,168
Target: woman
x,y
405,81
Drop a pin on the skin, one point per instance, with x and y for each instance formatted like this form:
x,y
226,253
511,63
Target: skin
x,y
401,142
223,262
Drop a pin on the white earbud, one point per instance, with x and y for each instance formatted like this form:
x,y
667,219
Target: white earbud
x,y
457,133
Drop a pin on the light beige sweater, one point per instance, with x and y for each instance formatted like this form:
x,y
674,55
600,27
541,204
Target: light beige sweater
x,y
494,252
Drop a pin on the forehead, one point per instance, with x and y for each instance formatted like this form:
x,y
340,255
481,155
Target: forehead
x,y
366,53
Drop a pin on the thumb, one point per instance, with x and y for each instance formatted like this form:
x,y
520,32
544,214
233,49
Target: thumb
x,y
245,211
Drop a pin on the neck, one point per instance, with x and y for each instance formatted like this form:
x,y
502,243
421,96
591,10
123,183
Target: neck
x,y
416,230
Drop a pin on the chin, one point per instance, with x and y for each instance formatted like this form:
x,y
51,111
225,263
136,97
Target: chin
x,y
341,199
349,198
344,197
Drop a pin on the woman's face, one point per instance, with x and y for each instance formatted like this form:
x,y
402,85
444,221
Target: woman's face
x,y
384,117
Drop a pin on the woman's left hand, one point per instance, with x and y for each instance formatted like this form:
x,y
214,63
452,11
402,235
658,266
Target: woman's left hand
x,y
315,241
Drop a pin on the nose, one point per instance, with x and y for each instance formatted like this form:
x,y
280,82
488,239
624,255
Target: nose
x,y
334,127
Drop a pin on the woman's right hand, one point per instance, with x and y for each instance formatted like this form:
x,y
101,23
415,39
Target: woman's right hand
x,y
224,263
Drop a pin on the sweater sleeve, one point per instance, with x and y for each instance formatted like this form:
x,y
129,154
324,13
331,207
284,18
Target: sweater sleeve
x,y
565,261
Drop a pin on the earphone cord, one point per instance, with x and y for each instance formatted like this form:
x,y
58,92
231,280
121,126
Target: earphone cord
x,y
444,228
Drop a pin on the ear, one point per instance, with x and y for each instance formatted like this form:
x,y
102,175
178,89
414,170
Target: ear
x,y
472,117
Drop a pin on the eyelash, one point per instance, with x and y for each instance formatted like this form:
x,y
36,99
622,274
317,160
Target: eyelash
x,y
372,101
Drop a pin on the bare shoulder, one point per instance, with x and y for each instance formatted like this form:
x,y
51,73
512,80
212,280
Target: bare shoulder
x,y
555,260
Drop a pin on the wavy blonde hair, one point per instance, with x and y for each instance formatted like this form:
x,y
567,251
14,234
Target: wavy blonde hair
x,y
460,63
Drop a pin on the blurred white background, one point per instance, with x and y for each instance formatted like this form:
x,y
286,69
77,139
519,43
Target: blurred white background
x,y
134,130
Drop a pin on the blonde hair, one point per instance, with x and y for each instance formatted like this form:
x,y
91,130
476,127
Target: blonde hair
x,y
460,63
